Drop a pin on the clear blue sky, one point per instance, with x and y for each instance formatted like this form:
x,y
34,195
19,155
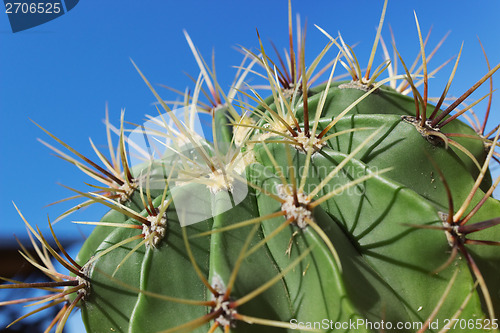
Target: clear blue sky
x,y
62,74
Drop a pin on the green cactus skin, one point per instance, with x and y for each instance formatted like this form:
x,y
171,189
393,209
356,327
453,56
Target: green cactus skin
x,y
352,212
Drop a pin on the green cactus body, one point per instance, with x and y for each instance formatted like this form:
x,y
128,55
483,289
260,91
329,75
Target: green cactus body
x,y
367,260
312,209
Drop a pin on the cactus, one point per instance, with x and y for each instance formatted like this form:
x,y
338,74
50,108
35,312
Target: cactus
x,y
344,205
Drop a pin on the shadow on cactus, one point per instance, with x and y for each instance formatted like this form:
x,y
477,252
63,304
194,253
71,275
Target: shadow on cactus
x,y
317,208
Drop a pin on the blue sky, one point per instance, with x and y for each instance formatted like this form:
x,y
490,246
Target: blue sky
x,y
63,73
